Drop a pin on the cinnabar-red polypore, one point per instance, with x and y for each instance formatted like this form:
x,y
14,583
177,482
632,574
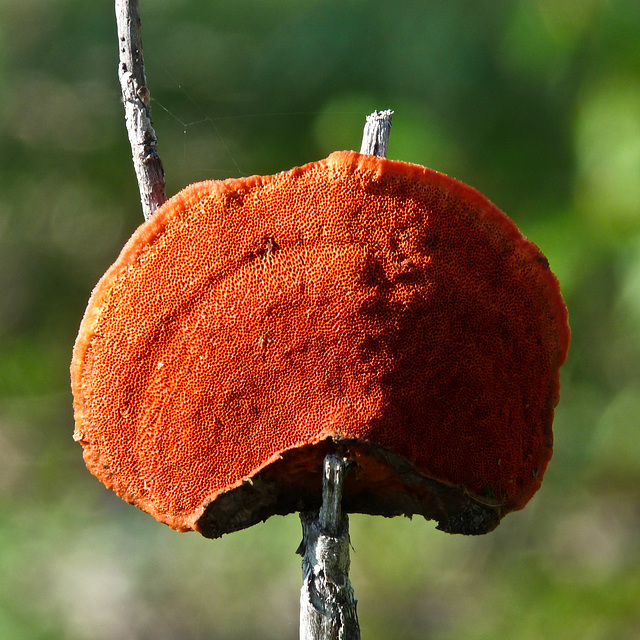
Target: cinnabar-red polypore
x,y
356,304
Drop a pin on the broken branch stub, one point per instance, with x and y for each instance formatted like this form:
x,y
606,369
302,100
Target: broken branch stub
x,y
375,138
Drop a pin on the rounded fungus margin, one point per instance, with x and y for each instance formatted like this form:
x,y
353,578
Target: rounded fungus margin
x,y
360,305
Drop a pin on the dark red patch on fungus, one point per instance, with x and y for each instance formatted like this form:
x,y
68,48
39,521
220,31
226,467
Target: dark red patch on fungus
x,y
356,304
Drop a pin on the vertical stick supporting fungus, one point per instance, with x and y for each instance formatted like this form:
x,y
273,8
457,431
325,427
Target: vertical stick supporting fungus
x,y
327,602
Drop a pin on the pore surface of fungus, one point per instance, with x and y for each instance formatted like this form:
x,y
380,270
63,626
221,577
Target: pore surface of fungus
x,y
356,304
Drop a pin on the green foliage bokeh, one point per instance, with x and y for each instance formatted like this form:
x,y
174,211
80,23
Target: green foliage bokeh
x,y
534,102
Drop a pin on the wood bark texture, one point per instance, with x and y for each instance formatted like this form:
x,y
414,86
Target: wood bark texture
x,y
136,97
375,138
327,601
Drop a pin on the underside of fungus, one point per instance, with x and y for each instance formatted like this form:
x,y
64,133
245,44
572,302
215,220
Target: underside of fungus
x,y
373,308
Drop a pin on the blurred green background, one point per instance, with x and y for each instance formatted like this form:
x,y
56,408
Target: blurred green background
x,y
534,102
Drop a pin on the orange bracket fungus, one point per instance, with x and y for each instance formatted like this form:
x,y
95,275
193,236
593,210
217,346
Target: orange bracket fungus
x,y
357,305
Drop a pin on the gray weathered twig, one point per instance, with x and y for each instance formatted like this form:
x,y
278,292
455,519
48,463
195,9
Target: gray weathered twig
x,y
327,602
375,138
136,97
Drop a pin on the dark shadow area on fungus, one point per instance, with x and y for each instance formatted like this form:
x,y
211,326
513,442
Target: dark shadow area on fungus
x,y
379,482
